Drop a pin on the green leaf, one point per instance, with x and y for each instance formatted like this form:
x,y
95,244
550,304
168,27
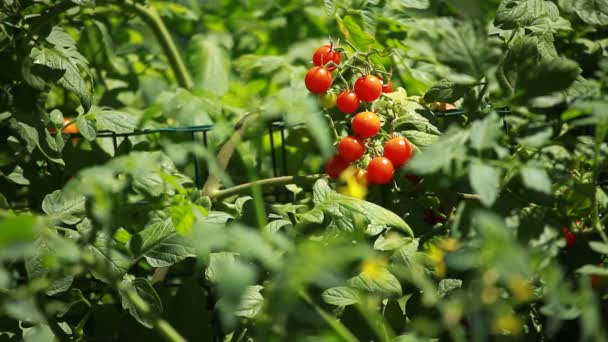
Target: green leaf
x,y
67,207
330,7
17,233
406,255
445,91
216,262
16,176
355,34
420,139
536,179
109,265
137,293
338,205
183,217
466,50
160,245
61,63
485,181
37,268
341,296
512,14
525,73
113,121
85,3
276,225
592,269
210,62
593,12
86,128
415,4
599,247
251,302
485,133
391,241
448,285
380,282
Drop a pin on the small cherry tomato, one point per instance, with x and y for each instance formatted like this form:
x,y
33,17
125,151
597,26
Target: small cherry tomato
x,y
398,151
368,88
351,149
318,80
361,176
335,166
380,171
324,55
569,237
366,124
387,87
328,100
69,128
347,102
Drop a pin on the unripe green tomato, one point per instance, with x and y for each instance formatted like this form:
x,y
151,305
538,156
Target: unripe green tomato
x,y
328,100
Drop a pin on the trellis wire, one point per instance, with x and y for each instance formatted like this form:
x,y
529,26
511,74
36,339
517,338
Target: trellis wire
x,y
277,169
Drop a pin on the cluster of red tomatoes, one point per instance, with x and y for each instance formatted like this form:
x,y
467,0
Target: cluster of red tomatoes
x,y
365,125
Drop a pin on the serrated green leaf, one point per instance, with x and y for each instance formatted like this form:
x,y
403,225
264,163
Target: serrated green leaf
x,y
113,121
251,302
341,296
445,91
381,282
67,207
593,12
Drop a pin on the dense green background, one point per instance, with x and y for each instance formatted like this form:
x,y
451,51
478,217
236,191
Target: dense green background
x,y
86,232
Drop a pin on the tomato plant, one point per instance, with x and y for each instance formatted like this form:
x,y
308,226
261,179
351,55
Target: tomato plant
x,y
184,170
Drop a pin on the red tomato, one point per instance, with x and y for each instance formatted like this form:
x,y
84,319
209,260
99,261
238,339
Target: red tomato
x,y
398,151
388,87
324,55
351,149
380,171
361,176
569,236
347,102
318,80
335,166
368,88
366,124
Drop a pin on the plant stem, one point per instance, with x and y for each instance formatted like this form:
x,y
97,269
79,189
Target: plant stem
x,y
151,17
162,326
263,182
599,137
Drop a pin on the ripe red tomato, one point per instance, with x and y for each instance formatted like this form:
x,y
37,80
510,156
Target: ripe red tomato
x,y
387,87
324,55
368,88
351,149
569,236
398,151
318,80
347,102
335,166
380,170
366,124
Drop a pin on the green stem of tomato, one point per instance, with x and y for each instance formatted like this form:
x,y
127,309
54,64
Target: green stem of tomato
x,y
276,181
151,17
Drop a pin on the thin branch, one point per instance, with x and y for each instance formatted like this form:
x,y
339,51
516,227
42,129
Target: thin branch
x,y
276,181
